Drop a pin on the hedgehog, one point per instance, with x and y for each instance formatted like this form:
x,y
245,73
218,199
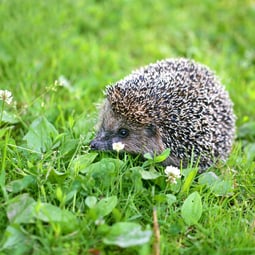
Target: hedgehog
x,y
174,103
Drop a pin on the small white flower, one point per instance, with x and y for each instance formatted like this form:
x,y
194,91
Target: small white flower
x,y
100,221
118,146
63,81
6,96
172,174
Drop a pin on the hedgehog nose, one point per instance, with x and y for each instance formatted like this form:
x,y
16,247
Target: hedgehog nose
x,y
93,145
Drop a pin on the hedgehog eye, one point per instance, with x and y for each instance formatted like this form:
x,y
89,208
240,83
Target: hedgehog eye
x,y
123,132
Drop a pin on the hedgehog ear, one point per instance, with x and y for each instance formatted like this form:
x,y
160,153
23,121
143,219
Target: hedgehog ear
x,y
151,130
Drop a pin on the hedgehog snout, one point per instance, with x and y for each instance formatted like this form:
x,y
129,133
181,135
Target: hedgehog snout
x,y
98,144
94,144
101,142
105,139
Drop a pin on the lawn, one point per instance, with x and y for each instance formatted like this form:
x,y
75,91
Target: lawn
x,y
57,196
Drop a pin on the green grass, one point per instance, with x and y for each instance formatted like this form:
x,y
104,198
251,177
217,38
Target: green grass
x,y
57,197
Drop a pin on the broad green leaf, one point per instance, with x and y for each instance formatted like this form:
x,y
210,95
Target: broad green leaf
x,y
163,156
9,118
41,135
50,213
158,158
21,184
102,173
171,199
165,198
148,156
249,151
247,131
208,179
223,188
102,167
90,201
68,145
82,161
127,234
149,175
191,210
216,185
55,176
21,209
14,238
54,215
105,206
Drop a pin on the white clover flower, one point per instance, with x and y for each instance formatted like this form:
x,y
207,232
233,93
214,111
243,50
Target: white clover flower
x,y
118,146
172,174
63,81
6,96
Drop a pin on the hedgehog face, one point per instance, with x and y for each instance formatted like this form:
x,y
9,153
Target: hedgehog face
x,y
137,138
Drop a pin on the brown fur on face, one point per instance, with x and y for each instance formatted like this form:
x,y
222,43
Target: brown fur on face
x,y
141,139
